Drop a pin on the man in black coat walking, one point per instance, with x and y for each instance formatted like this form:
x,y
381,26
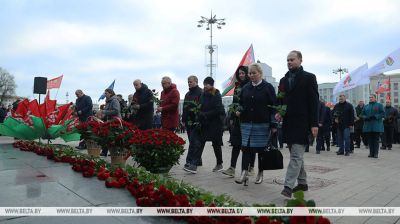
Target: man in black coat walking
x,y
298,90
189,115
144,105
83,109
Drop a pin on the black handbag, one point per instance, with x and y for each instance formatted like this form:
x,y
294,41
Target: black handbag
x,y
272,159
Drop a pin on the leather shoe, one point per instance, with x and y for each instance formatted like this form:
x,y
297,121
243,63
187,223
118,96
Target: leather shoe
x,y
300,187
287,192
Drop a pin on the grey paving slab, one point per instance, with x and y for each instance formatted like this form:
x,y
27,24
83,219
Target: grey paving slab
x,y
90,189
334,180
39,194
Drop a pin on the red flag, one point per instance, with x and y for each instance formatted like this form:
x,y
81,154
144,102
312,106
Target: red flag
x,y
384,87
34,108
22,108
247,59
54,83
62,111
50,104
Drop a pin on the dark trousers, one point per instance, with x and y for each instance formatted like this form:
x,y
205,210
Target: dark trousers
x,y
334,136
360,136
249,155
194,154
387,137
320,139
274,139
327,138
235,155
373,143
196,147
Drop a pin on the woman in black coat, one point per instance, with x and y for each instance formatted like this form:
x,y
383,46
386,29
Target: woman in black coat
x,y
256,120
242,78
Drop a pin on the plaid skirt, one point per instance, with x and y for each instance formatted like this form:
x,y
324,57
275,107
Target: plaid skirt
x,y
256,134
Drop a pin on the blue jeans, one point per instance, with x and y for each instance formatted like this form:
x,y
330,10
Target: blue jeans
x,y
343,140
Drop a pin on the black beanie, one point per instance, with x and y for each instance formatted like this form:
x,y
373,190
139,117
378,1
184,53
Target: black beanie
x,y
209,80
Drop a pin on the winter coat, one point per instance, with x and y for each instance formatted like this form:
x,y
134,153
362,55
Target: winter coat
x,y
112,108
373,113
255,102
211,116
302,102
84,107
390,118
191,99
144,115
236,137
358,125
344,112
170,107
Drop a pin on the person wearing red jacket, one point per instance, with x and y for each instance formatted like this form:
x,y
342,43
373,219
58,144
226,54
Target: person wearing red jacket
x,y
169,105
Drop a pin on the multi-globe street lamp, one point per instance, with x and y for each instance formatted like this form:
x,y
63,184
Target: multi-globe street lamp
x,y
339,71
209,22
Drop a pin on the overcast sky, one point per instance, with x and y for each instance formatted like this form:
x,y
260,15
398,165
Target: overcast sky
x,y
93,42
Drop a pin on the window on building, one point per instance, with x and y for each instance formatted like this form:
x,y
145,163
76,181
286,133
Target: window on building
x,y
396,86
395,94
396,100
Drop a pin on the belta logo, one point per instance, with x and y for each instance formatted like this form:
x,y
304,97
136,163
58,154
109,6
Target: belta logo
x,y
389,61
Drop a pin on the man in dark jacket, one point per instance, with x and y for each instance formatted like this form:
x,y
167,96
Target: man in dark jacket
x,y
358,126
211,126
388,124
344,118
84,109
298,90
189,115
144,105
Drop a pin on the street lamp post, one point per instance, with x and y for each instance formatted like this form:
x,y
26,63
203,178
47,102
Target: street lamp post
x,y
210,22
340,70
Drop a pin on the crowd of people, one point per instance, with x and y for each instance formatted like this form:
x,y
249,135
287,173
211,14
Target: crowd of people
x,y
255,120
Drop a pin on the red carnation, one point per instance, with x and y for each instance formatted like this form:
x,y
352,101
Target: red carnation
x,y
262,220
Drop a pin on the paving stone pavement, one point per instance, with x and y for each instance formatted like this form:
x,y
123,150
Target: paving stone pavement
x,y
343,181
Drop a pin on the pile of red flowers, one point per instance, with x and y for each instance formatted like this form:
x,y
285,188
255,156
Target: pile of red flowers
x,y
157,137
146,194
85,129
157,149
114,133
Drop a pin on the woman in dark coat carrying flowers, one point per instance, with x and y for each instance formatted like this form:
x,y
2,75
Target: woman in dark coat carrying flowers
x,y
256,117
242,78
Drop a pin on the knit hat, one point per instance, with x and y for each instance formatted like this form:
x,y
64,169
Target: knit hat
x,y
209,80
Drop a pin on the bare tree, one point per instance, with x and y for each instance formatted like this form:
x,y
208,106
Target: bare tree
x,y
7,84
